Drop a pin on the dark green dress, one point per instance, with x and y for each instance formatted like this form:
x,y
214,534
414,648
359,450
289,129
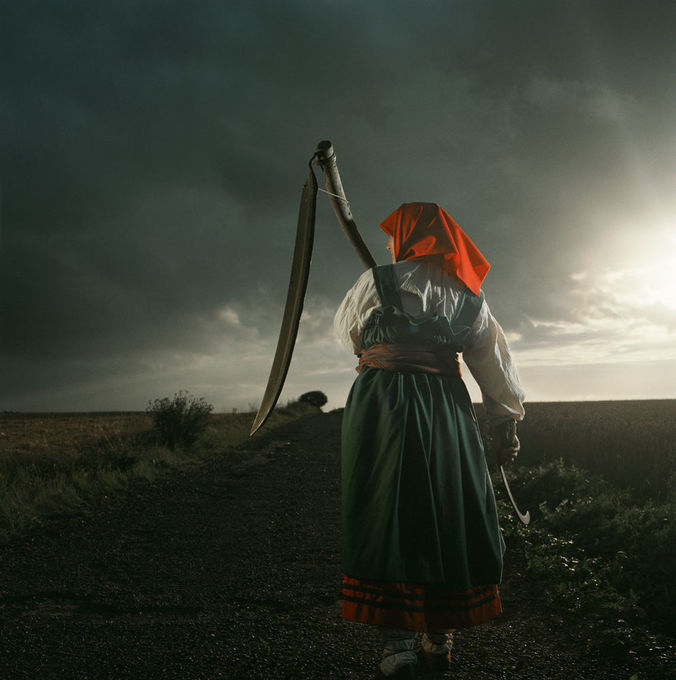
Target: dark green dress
x,y
418,504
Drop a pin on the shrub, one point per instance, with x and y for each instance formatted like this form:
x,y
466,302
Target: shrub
x,y
181,420
316,398
597,547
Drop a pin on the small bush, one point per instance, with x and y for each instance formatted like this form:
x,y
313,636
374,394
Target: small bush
x,y
181,420
315,398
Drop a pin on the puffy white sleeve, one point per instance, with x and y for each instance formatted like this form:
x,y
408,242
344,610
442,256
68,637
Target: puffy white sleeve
x,y
489,360
357,305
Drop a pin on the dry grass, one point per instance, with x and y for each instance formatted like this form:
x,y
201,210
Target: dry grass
x,y
52,463
26,434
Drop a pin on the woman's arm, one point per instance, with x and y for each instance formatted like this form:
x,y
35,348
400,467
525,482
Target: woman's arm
x,y
357,305
489,360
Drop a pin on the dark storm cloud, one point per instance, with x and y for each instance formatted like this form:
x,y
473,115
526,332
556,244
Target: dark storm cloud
x,y
152,156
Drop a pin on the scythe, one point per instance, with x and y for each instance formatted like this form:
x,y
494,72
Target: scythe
x,y
300,269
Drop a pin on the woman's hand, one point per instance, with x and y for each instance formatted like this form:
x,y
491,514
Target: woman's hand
x,y
505,445
509,453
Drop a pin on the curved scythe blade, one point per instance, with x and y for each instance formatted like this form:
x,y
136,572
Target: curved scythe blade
x,y
508,436
524,518
300,270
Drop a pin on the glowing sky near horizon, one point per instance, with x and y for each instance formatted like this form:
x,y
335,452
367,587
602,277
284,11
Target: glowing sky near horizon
x,y
152,156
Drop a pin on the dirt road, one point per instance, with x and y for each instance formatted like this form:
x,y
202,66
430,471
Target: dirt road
x,y
231,569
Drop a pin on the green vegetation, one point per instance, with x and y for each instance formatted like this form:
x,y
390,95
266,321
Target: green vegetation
x,y
600,551
316,398
49,466
180,421
599,482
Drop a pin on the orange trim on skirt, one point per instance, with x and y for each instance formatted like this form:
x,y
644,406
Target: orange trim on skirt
x,y
417,606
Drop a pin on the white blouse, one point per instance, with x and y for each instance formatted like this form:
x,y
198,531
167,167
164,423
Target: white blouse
x,y
427,289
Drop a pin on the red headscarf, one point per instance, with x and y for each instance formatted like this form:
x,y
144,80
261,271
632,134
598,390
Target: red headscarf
x,y
420,229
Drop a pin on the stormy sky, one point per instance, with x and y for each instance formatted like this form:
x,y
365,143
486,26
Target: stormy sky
x,y
152,155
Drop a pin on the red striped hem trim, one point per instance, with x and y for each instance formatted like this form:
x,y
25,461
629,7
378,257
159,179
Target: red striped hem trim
x,y
416,606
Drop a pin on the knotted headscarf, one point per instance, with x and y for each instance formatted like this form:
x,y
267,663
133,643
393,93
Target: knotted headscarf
x,y
420,229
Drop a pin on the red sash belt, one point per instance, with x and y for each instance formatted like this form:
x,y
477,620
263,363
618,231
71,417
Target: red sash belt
x,y
437,359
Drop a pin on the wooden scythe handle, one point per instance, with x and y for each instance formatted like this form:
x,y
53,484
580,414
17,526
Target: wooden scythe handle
x,y
327,160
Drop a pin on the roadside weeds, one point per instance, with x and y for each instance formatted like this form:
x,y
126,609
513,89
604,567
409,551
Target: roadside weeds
x,y
50,480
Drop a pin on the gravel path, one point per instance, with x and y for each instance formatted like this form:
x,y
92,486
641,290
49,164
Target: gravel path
x,y
231,569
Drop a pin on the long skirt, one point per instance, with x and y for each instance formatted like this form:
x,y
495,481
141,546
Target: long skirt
x,y
422,548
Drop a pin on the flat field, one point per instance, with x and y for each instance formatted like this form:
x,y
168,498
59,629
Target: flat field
x,y
630,443
597,477
31,433
52,462
616,438
34,433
